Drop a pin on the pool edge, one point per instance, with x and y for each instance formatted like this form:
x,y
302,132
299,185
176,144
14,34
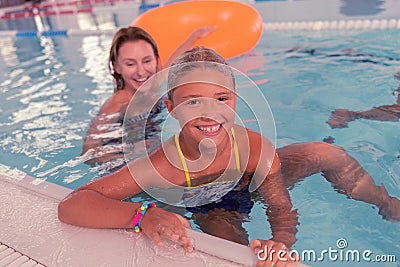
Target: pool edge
x,y
54,193
210,246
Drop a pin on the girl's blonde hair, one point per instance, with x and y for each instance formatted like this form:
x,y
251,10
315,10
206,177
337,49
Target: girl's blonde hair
x,y
198,57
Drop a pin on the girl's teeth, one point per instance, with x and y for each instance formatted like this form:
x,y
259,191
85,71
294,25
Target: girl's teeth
x,y
210,129
141,80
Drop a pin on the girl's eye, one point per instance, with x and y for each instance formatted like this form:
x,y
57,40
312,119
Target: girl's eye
x,y
193,101
223,98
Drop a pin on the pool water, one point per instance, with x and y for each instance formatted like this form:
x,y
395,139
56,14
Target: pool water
x,y
52,87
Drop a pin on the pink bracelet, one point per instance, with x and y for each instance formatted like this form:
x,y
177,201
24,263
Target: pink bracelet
x,y
139,215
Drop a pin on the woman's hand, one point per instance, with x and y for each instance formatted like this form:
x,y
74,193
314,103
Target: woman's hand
x,y
188,43
202,32
272,253
157,223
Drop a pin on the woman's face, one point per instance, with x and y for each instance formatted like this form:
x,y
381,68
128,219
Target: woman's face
x,y
136,63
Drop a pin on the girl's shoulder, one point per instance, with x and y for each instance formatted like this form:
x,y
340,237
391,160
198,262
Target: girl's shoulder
x,y
258,151
244,132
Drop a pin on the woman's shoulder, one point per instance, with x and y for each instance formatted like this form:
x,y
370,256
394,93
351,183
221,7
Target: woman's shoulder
x,y
115,102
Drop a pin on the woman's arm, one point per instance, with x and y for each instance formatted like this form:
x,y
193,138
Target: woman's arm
x,y
188,43
103,128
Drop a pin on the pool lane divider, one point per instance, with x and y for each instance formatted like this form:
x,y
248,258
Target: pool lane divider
x,y
53,33
268,26
358,24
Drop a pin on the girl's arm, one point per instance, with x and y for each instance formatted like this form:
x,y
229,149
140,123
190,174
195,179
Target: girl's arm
x,y
265,164
281,215
283,221
100,204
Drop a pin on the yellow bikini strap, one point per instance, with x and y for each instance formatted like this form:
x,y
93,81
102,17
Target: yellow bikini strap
x,y
236,151
185,168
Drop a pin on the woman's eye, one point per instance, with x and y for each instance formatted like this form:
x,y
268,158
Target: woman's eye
x,y
223,98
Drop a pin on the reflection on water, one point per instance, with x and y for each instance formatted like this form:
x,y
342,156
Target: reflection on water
x,y
48,84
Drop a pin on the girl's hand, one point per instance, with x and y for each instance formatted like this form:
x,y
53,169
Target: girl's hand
x,y
157,223
271,253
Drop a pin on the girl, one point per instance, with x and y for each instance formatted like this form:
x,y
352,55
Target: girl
x,y
210,154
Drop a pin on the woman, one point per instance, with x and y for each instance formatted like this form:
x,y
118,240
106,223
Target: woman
x,y
133,59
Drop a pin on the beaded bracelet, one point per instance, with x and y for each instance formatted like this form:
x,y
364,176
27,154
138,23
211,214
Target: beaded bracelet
x,y
139,215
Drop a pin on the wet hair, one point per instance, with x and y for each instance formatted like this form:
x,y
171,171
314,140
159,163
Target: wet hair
x,y
196,58
124,35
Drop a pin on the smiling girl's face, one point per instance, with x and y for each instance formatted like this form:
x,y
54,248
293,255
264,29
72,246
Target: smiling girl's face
x,y
204,107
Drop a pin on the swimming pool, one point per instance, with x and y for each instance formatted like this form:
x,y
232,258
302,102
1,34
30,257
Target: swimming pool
x,y
53,86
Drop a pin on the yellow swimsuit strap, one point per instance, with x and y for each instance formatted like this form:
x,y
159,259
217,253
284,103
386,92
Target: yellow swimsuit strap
x,y
185,168
236,151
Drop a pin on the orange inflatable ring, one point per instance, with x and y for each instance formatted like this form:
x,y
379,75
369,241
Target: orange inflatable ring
x,y
239,26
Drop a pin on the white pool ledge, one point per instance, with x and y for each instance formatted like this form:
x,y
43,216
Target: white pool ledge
x,y
29,225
